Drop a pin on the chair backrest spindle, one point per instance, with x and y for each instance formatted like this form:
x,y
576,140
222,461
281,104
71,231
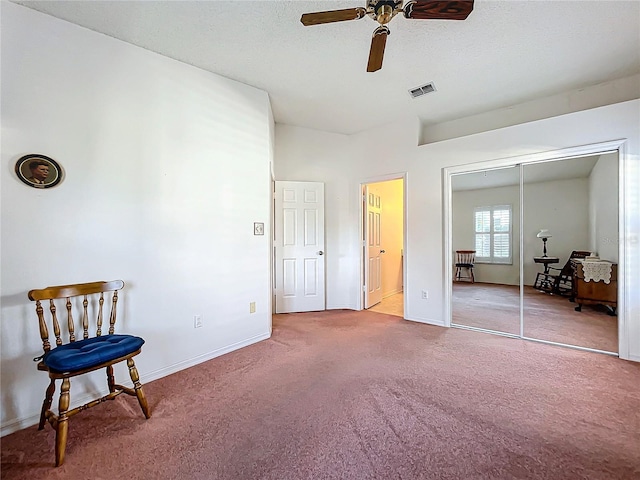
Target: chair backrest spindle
x,y
99,320
112,317
56,325
44,331
85,318
72,334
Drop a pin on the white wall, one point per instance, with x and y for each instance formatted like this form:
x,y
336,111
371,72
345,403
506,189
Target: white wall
x,y
392,149
166,169
603,207
337,160
312,154
606,93
560,206
464,204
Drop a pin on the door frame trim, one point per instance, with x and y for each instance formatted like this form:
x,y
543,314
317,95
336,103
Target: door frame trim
x,y
404,176
624,161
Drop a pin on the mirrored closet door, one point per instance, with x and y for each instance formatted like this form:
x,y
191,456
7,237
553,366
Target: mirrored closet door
x,y
570,217
544,238
485,209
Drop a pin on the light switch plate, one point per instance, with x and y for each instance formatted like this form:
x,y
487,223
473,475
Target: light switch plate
x,y
258,228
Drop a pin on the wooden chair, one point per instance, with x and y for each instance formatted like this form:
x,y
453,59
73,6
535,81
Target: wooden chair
x,y
464,261
77,357
563,279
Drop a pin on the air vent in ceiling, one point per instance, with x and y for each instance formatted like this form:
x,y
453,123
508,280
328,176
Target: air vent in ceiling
x,y
422,90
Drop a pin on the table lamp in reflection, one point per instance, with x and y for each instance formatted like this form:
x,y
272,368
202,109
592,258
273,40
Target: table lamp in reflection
x,y
544,235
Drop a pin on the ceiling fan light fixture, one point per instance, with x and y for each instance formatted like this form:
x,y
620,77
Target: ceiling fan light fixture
x,y
384,14
422,90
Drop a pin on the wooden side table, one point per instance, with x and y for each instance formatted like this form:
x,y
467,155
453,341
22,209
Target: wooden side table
x,y
545,281
546,261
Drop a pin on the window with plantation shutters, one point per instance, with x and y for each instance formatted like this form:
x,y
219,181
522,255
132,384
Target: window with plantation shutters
x,y
493,234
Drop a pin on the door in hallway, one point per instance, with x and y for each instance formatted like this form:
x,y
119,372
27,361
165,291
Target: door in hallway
x,y
373,246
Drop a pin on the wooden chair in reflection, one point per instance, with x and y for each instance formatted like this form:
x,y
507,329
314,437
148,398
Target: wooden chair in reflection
x,y
562,278
77,357
464,263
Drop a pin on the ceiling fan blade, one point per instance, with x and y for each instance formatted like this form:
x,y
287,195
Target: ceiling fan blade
x,y
438,9
333,16
376,54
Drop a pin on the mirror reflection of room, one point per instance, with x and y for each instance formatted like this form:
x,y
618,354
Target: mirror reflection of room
x,y
570,251
570,227
485,222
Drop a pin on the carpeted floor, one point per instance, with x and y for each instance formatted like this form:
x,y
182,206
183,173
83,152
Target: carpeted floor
x,y
361,395
546,317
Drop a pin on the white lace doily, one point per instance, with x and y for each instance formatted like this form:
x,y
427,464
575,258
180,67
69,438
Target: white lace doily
x,y
596,271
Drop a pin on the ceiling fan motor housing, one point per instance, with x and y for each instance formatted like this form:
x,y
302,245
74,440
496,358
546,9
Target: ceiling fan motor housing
x,y
382,11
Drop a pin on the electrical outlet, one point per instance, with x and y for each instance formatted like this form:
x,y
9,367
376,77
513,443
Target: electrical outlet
x,y
425,294
252,307
197,321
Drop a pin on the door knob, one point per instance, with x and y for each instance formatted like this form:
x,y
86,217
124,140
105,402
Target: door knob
x,y
320,252
383,251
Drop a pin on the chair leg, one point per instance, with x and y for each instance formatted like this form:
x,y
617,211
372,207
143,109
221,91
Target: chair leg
x,y
135,378
457,275
46,405
63,422
111,381
473,280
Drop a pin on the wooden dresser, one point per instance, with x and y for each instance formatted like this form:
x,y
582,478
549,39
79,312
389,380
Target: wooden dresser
x,y
594,293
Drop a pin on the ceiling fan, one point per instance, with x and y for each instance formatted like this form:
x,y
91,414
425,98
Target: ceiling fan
x,y
383,11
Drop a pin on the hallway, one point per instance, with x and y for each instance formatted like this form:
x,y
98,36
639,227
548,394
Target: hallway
x,y
392,305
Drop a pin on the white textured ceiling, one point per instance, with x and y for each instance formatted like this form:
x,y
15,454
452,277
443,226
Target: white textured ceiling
x,y
568,169
505,53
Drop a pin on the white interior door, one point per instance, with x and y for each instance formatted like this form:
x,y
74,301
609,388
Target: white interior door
x,y
373,247
299,247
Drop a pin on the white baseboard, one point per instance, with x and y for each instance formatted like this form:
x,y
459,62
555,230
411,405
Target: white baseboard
x,y
29,420
19,424
634,358
428,321
394,292
341,307
176,367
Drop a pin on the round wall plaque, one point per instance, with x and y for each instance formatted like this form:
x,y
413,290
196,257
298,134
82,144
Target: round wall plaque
x,y
38,171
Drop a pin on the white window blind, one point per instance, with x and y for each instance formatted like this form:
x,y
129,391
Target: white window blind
x,y
493,234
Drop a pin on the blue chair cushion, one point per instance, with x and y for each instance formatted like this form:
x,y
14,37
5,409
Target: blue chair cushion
x,y
90,352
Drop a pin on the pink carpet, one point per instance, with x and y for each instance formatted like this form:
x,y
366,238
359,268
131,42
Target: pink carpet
x,y
546,317
361,395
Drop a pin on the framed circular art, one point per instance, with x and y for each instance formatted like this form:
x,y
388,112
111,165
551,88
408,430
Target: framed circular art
x,y
38,171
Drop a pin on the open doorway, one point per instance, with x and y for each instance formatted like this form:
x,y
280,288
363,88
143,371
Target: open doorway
x,y
383,246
